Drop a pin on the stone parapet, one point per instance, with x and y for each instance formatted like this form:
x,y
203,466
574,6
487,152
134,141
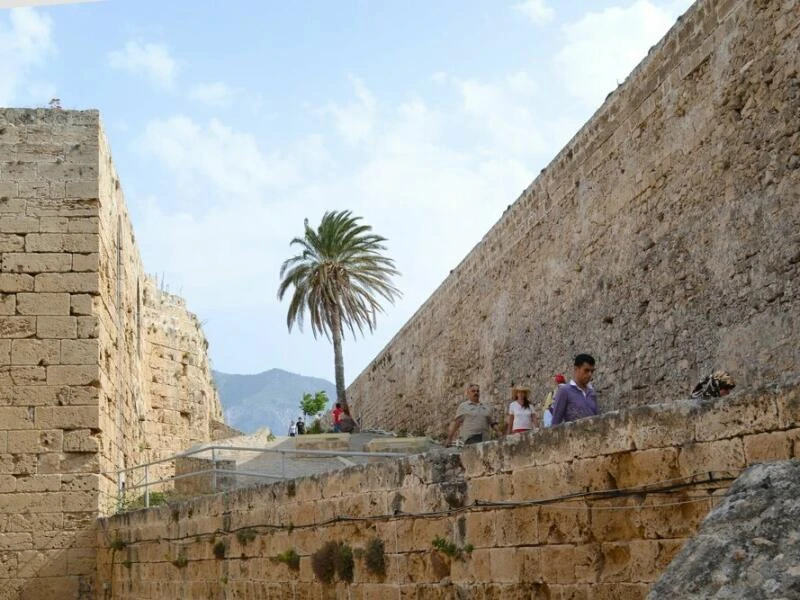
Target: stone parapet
x,y
588,509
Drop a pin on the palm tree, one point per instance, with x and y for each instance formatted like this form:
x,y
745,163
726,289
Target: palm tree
x,y
339,276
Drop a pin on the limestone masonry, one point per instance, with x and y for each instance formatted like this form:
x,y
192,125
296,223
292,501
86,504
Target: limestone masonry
x,y
664,239
99,369
595,509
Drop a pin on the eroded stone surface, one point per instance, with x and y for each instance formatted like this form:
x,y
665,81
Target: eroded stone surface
x,y
747,547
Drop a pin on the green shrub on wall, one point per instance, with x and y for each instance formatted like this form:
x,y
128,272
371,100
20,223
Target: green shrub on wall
x,y
334,558
375,557
290,558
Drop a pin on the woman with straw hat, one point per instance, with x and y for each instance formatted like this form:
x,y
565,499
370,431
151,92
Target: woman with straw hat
x,y
519,416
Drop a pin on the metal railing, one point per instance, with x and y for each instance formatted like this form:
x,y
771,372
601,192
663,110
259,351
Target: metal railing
x,y
223,473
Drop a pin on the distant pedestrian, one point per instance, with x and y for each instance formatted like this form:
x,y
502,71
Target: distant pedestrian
x,y
719,383
292,429
301,426
547,407
519,416
473,419
577,399
337,413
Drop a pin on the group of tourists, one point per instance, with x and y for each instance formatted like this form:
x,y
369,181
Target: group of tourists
x,y
568,401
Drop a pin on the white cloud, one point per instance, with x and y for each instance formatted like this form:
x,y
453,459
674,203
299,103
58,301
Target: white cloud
x,y
214,155
602,48
25,44
217,93
355,121
503,111
151,61
536,10
222,233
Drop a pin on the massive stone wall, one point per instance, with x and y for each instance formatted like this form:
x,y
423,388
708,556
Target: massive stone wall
x,y
99,370
663,239
592,509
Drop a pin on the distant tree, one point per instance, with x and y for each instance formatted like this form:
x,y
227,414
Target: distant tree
x,y
339,276
312,405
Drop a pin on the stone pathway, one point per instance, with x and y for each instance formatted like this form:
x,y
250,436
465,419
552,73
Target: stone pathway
x,y
286,459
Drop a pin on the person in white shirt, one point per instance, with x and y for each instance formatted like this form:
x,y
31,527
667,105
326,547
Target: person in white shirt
x,y
520,416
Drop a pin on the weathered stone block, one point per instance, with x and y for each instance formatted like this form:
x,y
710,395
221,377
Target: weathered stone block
x,y
79,501
85,374
85,262
564,525
647,467
658,427
68,282
82,189
765,447
518,526
11,282
80,352
17,327
43,304
62,242
5,353
481,530
734,416
84,225
63,207
19,224
8,304
56,327
722,455
35,352
33,502
67,417
788,403
656,520
81,304
39,483
23,375
10,242
54,224
44,262
18,464
87,327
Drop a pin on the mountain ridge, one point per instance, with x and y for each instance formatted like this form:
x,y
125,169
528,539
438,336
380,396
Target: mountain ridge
x,y
270,398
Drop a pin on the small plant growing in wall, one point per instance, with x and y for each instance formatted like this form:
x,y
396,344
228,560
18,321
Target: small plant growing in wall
x,y
375,557
117,544
322,562
246,535
451,549
344,563
290,558
219,550
334,558
180,562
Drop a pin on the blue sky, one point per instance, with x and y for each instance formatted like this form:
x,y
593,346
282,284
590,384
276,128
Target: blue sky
x,y
231,122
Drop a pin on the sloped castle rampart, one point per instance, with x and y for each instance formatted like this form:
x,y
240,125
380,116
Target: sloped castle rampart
x,y
663,239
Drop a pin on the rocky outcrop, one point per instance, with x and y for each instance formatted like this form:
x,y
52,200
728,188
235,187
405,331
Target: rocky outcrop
x,y
748,547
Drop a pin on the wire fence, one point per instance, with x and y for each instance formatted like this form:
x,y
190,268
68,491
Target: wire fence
x,y
214,469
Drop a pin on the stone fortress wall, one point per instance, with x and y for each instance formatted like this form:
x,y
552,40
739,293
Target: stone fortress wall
x,y
99,369
593,509
663,239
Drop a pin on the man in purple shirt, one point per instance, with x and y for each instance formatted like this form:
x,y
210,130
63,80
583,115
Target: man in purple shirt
x,y
577,399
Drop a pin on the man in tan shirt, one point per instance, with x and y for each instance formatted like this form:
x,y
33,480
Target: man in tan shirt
x,y
472,418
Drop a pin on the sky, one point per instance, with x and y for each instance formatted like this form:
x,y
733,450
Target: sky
x,y
231,122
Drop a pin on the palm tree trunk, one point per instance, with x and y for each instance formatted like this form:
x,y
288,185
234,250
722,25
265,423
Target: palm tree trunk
x,y
338,359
